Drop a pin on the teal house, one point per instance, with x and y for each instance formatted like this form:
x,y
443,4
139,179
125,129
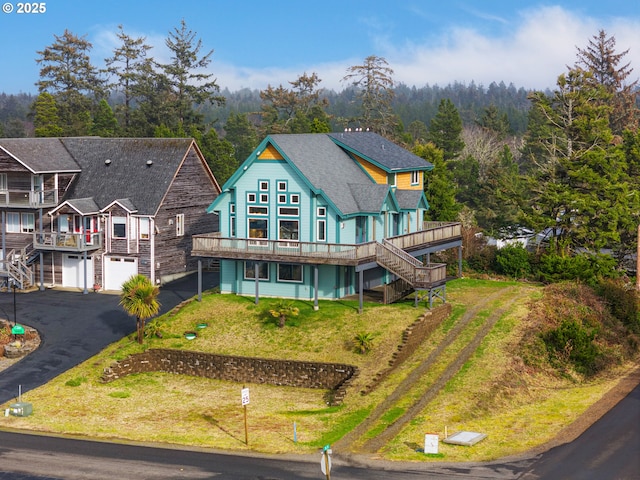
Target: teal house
x,y
311,216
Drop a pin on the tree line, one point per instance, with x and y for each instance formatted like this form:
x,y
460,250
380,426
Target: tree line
x,y
563,161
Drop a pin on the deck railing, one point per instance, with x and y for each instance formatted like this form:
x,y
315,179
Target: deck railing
x,y
28,198
67,242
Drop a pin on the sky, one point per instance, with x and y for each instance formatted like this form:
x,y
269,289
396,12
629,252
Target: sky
x,y
258,43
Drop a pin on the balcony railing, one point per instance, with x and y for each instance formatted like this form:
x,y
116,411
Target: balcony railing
x,y
28,198
213,245
67,242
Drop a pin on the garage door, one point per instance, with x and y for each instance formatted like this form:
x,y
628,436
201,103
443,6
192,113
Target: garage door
x,y
118,270
73,271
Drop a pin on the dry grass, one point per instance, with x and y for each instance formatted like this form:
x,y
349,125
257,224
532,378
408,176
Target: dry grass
x,y
493,393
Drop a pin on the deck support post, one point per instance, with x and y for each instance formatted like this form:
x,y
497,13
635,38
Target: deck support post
x,y
460,261
360,290
199,279
41,271
256,273
86,290
315,287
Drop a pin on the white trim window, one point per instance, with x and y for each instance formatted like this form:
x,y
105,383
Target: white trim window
x,y
119,227
180,225
145,228
415,177
321,224
250,270
28,222
13,222
288,230
391,179
290,272
4,186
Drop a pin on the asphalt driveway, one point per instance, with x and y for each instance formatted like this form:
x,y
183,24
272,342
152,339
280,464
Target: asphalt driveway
x,y
73,327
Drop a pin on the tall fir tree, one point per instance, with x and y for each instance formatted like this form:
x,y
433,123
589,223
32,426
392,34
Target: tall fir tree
x,y
445,130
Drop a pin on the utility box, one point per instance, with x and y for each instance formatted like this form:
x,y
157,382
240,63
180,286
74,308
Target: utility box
x,y
20,409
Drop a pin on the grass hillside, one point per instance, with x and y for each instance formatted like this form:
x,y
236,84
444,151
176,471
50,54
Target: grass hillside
x,y
510,386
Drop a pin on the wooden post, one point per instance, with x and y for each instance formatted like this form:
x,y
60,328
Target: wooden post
x,y
246,428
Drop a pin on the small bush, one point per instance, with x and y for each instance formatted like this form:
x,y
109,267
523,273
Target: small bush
x,y
120,394
363,342
622,302
573,343
588,268
76,382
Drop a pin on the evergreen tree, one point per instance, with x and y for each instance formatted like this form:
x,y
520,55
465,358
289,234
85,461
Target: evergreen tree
x,y
374,83
218,153
130,66
46,120
104,121
242,135
580,190
188,84
67,73
445,130
439,187
600,58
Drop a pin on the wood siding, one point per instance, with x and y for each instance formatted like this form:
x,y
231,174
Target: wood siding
x,y
376,173
190,193
270,153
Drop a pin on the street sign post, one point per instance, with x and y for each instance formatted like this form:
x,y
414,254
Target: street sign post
x,y
245,401
325,461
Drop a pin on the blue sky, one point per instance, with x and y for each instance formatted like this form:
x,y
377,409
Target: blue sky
x,y
258,42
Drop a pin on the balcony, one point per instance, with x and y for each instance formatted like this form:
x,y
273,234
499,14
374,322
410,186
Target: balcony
x,y
28,198
287,251
67,242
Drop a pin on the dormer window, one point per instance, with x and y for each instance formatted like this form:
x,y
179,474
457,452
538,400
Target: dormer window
x,y
415,178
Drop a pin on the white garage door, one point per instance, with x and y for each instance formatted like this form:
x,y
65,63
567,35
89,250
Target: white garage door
x,y
73,271
118,270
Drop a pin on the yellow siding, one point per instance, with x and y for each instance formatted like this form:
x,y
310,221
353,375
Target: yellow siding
x,y
270,153
378,175
403,181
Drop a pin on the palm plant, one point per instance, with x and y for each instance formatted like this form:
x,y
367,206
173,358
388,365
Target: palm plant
x,y
139,298
282,310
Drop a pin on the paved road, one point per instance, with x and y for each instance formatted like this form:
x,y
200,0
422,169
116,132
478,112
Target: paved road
x,y
73,327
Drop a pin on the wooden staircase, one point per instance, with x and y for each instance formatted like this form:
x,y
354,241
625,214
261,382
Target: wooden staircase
x,y
413,275
17,268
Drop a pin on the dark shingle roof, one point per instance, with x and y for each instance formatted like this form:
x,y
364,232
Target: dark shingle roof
x,y
408,199
369,198
117,168
40,155
380,151
326,166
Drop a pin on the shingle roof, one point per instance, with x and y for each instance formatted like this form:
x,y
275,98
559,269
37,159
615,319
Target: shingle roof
x,y
326,166
408,199
380,151
40,155
117,168
84,206
369,198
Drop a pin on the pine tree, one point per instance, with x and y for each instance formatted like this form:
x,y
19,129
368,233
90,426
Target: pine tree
x,y
439,187
46,120
445,130
67,73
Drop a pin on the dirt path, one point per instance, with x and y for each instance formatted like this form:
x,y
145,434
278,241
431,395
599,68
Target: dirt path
x,y
350,440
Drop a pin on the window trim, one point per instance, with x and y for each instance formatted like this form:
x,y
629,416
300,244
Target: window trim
x,y
321,226
292,280
260,277
282,185
118,220
415,177
263,185
144,228
180,227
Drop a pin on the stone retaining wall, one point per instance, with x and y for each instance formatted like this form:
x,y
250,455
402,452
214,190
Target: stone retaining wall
x,y
330,376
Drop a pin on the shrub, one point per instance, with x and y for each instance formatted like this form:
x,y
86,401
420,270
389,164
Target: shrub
x,y
587,267
622,302
513,260
573,343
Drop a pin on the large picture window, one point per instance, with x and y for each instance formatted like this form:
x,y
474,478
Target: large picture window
x,y
288,230
289,272
13,222
28,222
250,270
258,228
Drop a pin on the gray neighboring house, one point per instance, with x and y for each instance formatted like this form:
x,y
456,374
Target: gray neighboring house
x,y
89,212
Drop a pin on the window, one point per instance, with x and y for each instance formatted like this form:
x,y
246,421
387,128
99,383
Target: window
x,y
321,211
180,225
415,178
391,179
282,199
63,223
295,199
13,222
250,270
28,222
282,186
119,227
288,230
321,235
258,228
144,228
251,197
289,272
258,210
264,198
3,182
232,226
232,208
288,211
264,186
